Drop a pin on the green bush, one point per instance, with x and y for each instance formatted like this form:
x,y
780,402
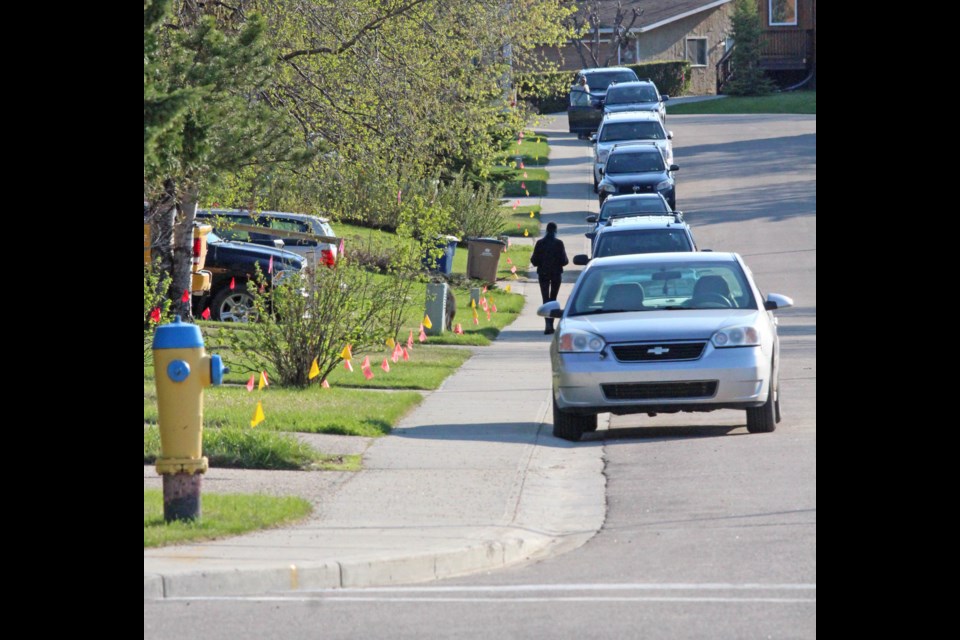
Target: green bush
x,y
672,77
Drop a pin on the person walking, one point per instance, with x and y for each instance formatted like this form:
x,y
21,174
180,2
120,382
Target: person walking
x,y
549,257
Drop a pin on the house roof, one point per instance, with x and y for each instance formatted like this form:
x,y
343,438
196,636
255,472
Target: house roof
x,y
656,13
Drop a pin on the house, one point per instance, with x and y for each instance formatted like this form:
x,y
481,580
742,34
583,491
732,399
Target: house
x,y
694,30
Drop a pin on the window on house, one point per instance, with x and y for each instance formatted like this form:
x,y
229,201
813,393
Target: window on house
x,y
783,12
697,51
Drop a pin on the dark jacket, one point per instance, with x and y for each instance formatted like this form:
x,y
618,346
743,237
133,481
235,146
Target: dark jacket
x,y
549,256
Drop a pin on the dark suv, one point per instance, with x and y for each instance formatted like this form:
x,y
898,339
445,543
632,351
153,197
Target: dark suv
x,y
585,111
235,263
638,168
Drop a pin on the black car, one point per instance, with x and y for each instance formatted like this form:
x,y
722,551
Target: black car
x,y
636,96
638,168
233,264
585,111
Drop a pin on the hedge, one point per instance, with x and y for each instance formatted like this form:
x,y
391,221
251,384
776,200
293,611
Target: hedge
x,y
548,92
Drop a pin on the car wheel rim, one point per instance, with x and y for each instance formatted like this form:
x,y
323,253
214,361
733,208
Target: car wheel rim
x,y
237,307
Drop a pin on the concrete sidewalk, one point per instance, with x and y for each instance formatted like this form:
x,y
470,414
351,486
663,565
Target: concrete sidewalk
x,y
472,480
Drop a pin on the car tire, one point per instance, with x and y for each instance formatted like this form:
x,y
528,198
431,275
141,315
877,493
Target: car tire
x,y
568,426
596,186
764,419
233,305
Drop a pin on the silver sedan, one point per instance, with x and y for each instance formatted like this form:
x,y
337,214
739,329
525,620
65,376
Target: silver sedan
x,y
662,333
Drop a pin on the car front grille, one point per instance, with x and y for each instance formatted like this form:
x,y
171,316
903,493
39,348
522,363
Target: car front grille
x,y
659,352
640,188
660,390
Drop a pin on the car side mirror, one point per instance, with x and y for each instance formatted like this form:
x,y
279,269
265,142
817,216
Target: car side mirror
x,y
669,135
550,309
591,218
593,137
600,170
674,167
580,259
777,301
591,234
664,97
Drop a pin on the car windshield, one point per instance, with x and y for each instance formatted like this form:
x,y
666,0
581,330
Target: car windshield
x,y
655,286
614,131
643,162
603,79
627,95
619,243
614,207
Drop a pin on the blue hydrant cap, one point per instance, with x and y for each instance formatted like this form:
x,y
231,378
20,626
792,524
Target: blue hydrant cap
x,y
177,335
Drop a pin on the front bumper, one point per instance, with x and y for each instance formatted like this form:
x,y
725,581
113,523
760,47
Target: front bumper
x,y
741,375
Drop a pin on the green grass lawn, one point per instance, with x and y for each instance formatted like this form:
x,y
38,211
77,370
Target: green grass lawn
x,y
793,102
246,448
222,515
352,412
520,220
533,151
515,185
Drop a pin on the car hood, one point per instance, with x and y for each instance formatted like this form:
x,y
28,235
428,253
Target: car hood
x,y
643,326
226,250
651,177
631,106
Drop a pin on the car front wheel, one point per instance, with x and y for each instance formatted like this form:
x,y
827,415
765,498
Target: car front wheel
x,y
233,305
568,426
764,419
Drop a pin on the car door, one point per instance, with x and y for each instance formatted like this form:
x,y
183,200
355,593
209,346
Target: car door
x,y
582,116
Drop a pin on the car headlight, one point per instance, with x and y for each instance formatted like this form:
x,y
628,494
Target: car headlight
x,y
575,341
736,337
664,185
609,188
602,155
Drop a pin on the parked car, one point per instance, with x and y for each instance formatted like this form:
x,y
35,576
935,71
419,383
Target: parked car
x,y
630,205
664,333
200,278
636,96
617,128
233,264
584,111
640,234
307,235
638,167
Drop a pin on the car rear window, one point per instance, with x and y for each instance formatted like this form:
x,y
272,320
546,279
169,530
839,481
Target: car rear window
x,y
615,131
614,207
621,243
626,95
601,80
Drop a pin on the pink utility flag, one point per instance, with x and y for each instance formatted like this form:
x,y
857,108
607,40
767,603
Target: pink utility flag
x,y
406,355
186,296
325,384
423,336
340,251
484,304
521,165
399,193
523,185
270,264
493,306
206,314
509,261
251,382
385,365
233,283
410,340
458,329
347,365
155,315
366,362
367,373
513,269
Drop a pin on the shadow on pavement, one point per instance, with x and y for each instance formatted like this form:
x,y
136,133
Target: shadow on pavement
x,y
661,434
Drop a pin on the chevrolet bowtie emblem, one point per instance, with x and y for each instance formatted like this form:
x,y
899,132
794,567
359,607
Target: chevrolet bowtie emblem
x,y
658,351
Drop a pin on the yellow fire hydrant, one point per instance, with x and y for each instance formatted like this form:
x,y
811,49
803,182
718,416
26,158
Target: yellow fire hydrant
x,y
182,369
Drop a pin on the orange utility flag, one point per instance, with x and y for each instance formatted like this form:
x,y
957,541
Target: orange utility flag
x,y
270,265
233,283
155,315
346,354
423,336
406,356
427,323
410,341
458,329
206,314
509,261
186,296
518,225
251,382
347,365
385,365
391,343
263,381
314,370
258,416
325,384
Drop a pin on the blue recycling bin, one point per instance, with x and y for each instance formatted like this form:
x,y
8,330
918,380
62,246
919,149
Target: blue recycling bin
x,y
444,263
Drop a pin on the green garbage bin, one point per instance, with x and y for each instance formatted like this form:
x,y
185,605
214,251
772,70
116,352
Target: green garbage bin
x,y
483,258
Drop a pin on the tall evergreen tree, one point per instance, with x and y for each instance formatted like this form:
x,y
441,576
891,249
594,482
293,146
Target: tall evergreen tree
x,y
748,78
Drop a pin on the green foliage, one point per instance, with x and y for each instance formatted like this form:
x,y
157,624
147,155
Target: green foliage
x,y
793,102
243,448
474,209
747,78
672,77
223,515
155,284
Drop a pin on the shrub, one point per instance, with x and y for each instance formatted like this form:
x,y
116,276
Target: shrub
x,y
672,77
155,284
474,210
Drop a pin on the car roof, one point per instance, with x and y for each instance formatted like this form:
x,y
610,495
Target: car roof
x,y
640,259
636,83
641,221
603,69
650,146
303,217
617,116
633,196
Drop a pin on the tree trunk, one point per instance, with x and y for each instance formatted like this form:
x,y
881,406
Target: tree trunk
x,y
162,216
183,253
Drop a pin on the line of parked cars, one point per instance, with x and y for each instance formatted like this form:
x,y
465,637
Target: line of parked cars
x,y
654,324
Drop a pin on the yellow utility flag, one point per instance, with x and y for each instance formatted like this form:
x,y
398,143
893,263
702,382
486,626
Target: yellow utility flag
x,y
263,381
531,214
507,288
473,303
391,343
346,354
314,370
258,416
525,234
427,323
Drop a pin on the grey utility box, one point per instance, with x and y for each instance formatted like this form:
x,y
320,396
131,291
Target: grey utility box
x,y
436,308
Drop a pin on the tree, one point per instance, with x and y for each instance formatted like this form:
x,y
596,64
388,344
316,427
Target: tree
x,y
586,25
747,77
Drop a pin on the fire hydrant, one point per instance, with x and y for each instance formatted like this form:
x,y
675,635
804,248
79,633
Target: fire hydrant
x,y
182,370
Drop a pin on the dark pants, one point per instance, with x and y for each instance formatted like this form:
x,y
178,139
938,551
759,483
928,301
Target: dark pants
x,y
549,288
